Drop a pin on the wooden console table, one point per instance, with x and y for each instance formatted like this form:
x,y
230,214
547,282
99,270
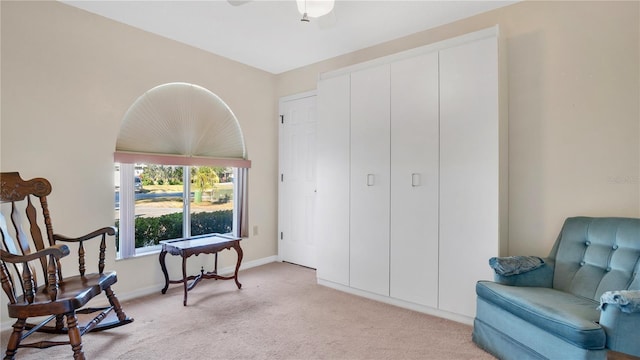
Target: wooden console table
x,y
196,246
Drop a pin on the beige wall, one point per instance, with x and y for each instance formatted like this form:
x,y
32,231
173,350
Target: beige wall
x,y
574,109
68,77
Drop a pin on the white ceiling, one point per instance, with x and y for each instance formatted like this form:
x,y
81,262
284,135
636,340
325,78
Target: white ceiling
x,y
269,35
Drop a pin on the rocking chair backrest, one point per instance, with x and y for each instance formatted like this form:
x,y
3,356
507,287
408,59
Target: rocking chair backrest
x,y
17,197
26,252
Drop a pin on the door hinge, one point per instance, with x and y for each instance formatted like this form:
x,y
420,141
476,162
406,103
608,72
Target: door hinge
x,y
281,177
281,119
281,235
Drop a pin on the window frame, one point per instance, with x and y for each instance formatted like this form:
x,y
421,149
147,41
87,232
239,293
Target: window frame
x,y
127,242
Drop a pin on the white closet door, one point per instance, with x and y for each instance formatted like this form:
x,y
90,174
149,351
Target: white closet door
x,y
369,234
414,180
469,171
332,202
297,186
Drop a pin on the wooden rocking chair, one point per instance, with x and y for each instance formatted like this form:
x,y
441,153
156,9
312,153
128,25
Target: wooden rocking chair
x,y
57,297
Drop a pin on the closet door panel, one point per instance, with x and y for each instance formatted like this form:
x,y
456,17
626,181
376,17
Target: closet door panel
x,y
369,233
469,171
332,169
414,180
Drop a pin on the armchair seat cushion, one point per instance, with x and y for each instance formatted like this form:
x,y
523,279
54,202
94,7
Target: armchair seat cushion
x,y
569,317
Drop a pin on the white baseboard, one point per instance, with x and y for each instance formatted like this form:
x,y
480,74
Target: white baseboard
x,y
400,303
223,271
102,301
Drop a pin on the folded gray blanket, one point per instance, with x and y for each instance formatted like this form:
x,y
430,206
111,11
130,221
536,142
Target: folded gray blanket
x,y
513,265
627,300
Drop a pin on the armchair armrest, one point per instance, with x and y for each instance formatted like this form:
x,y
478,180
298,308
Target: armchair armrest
x,y
529,271
620,318
628,301
514,265
58,251
109,230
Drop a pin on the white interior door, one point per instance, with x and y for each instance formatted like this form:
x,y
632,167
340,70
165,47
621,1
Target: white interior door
x,y
297,184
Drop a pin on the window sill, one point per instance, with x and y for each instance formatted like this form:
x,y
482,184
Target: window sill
x,y
152,250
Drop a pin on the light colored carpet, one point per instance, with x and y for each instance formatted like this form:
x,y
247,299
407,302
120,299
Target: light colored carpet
x,y
280,313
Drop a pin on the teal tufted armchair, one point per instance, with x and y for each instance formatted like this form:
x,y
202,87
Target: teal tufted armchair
x,y
578,303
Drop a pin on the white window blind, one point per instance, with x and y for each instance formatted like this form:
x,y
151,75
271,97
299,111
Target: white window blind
x,y
181,124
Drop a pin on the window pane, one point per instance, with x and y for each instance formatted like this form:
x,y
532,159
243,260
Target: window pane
x,y
158,203
211,200
150,204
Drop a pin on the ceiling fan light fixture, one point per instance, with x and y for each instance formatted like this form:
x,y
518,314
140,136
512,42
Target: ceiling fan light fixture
x,y
314,8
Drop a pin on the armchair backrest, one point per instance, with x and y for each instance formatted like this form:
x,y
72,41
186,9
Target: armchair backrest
x,y
594,255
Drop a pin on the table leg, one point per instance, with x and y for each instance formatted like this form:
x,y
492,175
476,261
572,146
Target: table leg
x,y
238,249
184,279
163,266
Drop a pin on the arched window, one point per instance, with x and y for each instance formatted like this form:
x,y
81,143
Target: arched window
x,y
181,165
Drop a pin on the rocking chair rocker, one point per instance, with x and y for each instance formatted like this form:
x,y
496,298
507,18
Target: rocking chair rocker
x,y
56,298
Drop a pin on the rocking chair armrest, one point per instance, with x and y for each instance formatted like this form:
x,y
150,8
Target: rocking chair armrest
x,y
58,251
109,230
100,233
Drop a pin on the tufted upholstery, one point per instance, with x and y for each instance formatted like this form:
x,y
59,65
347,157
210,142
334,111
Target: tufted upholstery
x,y
597,255
552,312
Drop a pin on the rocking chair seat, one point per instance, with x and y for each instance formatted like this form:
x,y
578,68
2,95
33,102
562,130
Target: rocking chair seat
x,y
74,293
